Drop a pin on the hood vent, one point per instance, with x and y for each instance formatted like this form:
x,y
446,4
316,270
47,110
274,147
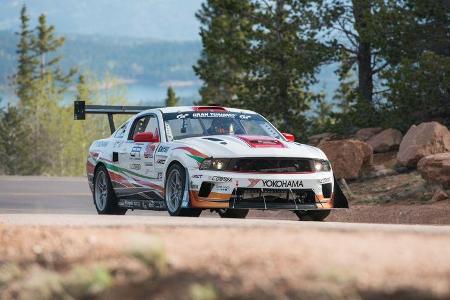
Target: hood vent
x,y
261,141
213,139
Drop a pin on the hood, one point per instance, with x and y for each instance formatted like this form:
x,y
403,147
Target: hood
x,y
230,146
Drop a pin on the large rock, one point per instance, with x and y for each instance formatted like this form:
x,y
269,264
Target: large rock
x,y
436,169
423,140
316,139
386,140
348,157
366,133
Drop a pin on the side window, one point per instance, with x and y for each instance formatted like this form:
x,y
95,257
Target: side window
x,y
147,123
121,131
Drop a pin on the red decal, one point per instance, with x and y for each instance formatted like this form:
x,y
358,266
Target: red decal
x,y
253,182
193,151
261,141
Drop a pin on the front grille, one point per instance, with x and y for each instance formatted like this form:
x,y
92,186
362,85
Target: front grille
x,y
271,165
272,198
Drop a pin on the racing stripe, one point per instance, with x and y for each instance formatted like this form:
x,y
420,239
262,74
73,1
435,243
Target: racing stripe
x,y
197,155
128,178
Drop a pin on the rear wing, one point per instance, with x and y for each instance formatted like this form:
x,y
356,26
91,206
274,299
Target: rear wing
x,y
80,109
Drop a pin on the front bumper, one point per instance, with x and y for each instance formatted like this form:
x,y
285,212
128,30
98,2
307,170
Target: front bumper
x,y
293,191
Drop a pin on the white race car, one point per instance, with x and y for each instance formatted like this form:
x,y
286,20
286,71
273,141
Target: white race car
x,y
188,159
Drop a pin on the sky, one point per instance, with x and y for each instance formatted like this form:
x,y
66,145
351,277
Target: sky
x,y
154,19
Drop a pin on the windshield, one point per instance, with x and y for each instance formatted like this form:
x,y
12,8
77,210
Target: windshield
x,y
192,124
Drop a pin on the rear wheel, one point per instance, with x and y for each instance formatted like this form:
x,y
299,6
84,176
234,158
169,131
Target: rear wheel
x,y
312,215
104,198
232,213
174,192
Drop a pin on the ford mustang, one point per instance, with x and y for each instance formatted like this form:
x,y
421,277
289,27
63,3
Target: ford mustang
x,y
194,158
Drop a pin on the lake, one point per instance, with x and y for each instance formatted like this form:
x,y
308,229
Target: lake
x,y
136,93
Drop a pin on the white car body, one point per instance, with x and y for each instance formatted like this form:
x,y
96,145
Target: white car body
x,y
138,170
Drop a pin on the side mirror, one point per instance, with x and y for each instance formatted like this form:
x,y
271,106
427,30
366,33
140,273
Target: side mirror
x,y
288,136
146,137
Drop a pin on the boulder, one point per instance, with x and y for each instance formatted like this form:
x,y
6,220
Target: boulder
x,y
422,140
348,157
435,169
316,139
366,133
386,140
439,195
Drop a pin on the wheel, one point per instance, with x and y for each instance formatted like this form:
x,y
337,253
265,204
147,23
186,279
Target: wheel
x,y
104,198
232,213
312,215
174,191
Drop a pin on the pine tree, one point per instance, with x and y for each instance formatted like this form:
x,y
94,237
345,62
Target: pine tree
x,y
261,55
83,91
14,147
172,99
284,60
354,27
417,83
26,63
225,29
45,46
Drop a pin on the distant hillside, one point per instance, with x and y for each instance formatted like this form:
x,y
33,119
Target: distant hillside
x,y
150,61
161,19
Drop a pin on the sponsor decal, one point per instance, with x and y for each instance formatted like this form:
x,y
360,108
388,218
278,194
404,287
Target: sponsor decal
x,y
136,151
163,149
168,131
282,183
221,179
197,176
148,164
161,161
135,166
159,176
182,116
213,115
245,117
149,150
221,188
325,180
253,182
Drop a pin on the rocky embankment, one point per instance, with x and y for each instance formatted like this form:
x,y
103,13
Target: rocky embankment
x,y
424,152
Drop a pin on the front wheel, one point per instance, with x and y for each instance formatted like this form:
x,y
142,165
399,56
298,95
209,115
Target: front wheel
x,y
174,192
232,213
104,198
312,215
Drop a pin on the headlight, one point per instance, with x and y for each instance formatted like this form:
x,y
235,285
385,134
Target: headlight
x,y
321,165
217,164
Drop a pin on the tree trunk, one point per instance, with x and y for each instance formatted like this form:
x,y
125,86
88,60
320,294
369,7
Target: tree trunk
x,y
283,81
365,79
361,12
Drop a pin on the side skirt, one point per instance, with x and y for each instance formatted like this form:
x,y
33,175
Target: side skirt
x,y
142,204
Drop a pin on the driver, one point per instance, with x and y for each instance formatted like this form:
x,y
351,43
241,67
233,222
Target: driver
x,y
221,126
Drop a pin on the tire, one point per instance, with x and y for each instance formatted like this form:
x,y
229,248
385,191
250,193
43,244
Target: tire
x,y
232,213
312,215
175,188
105,200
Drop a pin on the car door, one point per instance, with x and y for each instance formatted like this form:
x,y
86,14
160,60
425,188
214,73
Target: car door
x,y
138,159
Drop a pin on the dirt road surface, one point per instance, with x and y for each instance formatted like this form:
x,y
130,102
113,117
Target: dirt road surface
x,y
53,245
